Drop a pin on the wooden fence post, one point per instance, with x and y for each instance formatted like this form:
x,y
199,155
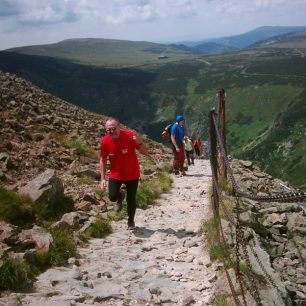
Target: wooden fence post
x,y
214,161
222,129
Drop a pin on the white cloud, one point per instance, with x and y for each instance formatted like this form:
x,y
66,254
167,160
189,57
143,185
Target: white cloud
x,y
130,14
27,20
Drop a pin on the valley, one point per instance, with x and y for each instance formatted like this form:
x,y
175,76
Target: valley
x,y
265,93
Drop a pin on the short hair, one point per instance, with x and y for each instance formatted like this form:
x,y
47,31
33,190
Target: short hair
x,y
112,119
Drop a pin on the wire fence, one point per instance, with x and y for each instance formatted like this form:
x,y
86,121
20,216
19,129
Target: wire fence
x,y
221,168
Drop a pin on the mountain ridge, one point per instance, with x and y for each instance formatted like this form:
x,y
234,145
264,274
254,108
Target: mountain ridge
x,y
246,39
175,49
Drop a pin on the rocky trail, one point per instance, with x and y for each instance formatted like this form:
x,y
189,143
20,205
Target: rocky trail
x,y
162,262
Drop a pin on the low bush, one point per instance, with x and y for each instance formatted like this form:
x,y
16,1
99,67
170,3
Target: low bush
x,y
15,275
99,229
218,251
19,275
150,190
62,248
211,229
15,208
20,210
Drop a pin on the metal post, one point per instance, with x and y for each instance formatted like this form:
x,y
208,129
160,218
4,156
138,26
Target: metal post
x,y
222,129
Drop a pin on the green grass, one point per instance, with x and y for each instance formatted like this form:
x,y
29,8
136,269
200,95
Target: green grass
x,y
19,274
15,275
20,209
108,53
220,300
246,122
62,248
80,145
99,229
116,216
218,252
150,190
210,228
15,208
86,180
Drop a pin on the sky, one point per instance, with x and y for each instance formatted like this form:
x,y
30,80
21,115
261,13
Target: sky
x,y
34,22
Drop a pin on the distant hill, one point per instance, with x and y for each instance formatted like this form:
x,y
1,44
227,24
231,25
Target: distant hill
x,y
246,39
123,53
212,47
288,40
107,52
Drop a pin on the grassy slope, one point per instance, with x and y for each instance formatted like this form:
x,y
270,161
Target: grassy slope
x,y
264,95
107,52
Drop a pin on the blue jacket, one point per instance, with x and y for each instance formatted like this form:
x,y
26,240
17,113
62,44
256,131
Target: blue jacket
x,y
178,132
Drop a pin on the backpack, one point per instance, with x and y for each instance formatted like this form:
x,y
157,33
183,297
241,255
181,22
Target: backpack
x,y
167,131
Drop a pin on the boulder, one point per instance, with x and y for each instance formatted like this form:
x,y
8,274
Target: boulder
x,y
45,188
7,231
37,236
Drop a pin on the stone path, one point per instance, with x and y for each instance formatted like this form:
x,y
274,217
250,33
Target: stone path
x,y
162,262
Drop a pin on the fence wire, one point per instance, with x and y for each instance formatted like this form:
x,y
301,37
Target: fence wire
x,y
250,282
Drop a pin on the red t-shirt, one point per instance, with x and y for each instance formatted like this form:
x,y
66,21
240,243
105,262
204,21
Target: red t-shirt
x,y
197,144
124,164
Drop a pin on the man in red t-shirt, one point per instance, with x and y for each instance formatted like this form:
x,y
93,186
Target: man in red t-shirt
x,y
197,147
119,147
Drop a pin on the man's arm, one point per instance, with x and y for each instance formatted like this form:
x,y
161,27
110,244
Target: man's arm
x,y
103,173
142,149
174,143
141,146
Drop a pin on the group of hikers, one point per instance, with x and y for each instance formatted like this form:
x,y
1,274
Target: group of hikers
x,y
183,146
119,147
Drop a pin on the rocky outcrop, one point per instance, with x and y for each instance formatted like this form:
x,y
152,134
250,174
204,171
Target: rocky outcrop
x,y
275,230
45,188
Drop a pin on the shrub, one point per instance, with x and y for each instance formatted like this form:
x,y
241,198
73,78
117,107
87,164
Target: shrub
x,y
79,144
99,229
211,228
218,251
19,275
15,275
62,248
150,190
20,210
15,208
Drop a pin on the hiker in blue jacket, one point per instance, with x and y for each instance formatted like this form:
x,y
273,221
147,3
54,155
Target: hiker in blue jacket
x,y
177,136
